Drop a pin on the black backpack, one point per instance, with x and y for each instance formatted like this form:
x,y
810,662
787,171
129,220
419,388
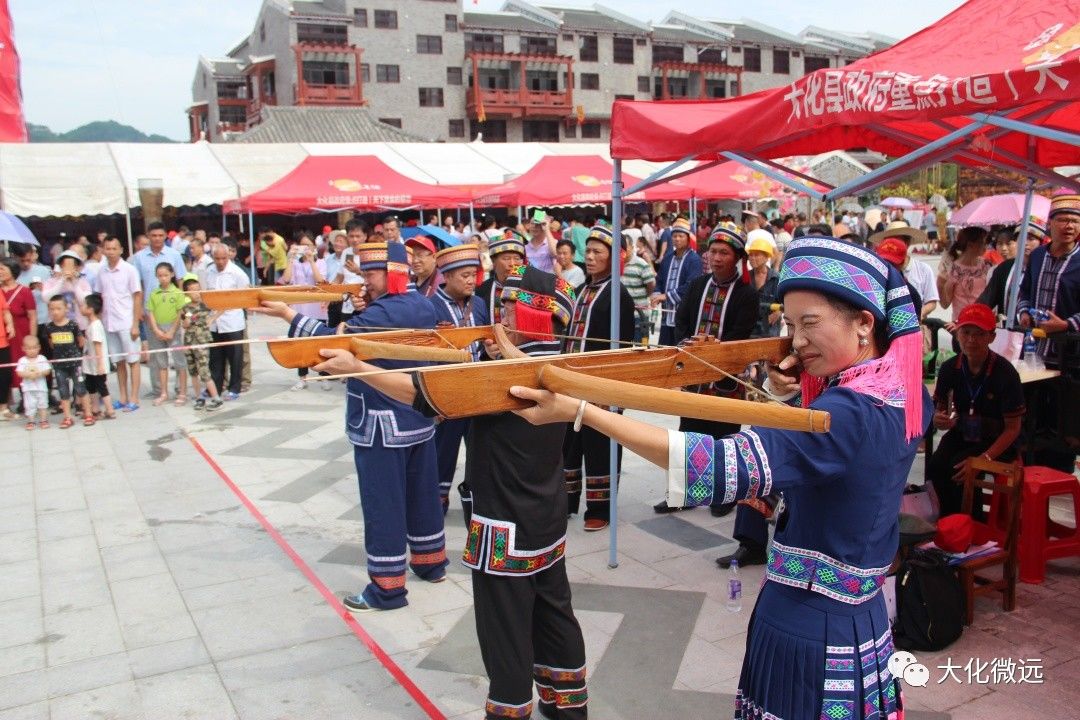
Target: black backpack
x,y
929,603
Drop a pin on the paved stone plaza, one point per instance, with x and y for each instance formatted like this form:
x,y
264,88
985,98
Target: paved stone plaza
x,y
137,584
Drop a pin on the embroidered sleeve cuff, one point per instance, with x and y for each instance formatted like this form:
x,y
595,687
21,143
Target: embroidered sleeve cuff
x,y
303,326
1074,323
691,469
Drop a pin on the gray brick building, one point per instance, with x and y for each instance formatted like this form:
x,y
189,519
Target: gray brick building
x,y
528,72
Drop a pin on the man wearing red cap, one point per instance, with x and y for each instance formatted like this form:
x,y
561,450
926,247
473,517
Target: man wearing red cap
x,y
425,274
917,273
979,403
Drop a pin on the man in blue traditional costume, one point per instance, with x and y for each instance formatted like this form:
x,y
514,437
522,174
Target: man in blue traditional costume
x,y
393,444
455,305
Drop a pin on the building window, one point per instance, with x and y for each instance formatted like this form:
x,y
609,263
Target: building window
x,y
752,59
365,72
715,89
322,34
815,62
451,25
393,122
457,128
781,62
531,45
540,131
641,41
386,19
262,31
570,130
387,73
625,97
623,51
643,83
431,97
590,81
232,114
453,76
485,43
493,130
713,56
666,53
591,131
359,17
322,72
429,44
268,85
542,80
590,51
568,37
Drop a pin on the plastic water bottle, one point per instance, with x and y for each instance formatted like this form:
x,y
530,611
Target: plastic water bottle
x,y
734,598
1031,358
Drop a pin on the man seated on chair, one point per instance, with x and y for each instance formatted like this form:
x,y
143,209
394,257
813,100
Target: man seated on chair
x,y
979,403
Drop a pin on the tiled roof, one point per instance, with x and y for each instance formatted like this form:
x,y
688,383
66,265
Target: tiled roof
x,y
583,19
746,31
678,34
503,21
282,124
313,8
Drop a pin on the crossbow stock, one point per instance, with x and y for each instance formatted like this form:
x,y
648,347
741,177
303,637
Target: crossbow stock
x,y
638,378
247,298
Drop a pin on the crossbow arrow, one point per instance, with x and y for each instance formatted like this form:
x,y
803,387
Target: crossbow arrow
x,y
638,378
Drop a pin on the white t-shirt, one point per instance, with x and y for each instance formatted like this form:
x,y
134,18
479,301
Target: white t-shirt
x,y
922,279
95,333
38,384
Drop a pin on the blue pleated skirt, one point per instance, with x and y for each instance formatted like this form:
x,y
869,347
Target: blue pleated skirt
x,y
809,657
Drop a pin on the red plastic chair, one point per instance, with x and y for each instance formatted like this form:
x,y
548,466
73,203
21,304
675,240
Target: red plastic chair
x,y
1041,538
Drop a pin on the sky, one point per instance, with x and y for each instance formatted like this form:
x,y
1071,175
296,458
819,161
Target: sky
x,y
133,60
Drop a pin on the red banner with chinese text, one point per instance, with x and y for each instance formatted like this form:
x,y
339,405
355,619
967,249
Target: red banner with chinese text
x,y
12,124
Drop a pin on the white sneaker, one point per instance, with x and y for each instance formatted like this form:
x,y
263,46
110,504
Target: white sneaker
x,y
300,385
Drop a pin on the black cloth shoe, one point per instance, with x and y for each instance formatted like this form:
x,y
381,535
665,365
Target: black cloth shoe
x,y
722,510
746,555
663,508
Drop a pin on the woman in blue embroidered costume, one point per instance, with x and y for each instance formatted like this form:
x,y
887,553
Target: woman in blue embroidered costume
x,y
818,642
516,519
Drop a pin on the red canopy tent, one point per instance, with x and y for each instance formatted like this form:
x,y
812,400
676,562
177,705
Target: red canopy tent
x,y
729,180
994,83
331,183
567,180
949,84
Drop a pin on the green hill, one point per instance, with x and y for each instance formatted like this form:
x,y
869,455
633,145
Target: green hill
x,y
98,131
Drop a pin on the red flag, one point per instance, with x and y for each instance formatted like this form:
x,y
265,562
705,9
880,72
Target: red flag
x,y
12,124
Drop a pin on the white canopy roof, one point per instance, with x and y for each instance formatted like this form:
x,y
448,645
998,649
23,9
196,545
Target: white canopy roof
x,y
46,179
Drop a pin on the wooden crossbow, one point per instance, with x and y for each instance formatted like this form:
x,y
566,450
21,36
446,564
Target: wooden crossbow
x,y
247,298
638,378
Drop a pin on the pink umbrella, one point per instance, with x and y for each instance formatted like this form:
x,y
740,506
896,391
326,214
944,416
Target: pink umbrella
x,y
999,210
898,202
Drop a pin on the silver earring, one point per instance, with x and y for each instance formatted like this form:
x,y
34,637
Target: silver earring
x,y
863,342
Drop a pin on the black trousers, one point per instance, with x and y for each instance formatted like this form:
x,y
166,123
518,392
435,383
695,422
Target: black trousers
x,y
589,450
6,374
951,450
231,354
528,633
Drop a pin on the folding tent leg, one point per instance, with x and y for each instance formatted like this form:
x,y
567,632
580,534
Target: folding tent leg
x,y
616,279
251,235
1013,293
131,239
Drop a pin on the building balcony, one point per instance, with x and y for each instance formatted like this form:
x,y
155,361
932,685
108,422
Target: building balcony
x,y
521,72
520,103
317,94
254,108
231,127
694,77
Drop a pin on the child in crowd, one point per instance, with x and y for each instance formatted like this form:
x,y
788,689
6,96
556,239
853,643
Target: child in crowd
x,y
65,347
164,306
95,362
196,319
33,368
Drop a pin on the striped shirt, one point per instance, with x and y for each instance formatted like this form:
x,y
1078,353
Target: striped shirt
x,y
636,277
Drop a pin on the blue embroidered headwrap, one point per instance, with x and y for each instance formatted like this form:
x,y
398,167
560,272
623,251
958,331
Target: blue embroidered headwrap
x,y
860,277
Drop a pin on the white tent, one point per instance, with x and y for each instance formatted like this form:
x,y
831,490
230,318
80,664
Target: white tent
x,y
45,179
253,166
190,173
